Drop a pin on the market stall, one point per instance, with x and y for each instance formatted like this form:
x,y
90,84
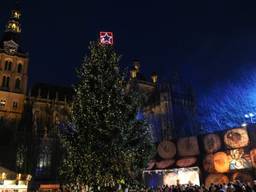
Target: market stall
x,y
13,182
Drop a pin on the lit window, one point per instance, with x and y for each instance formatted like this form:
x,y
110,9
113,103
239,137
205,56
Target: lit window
x,y
14,26
2,103
9,25
15,105
16,14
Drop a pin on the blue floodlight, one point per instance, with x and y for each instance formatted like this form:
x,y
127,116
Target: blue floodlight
x,y
251,114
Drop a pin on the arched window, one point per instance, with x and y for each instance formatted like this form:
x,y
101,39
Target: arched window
x,y
19,68
57,120
2,103
15,105
44,161
4,81
6,65
17,84
10,66
7,82
20,157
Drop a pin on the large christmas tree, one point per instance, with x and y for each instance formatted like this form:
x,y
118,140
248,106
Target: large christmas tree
x,y
104,142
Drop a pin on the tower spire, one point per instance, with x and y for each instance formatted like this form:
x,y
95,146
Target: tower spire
x,y
11,37
13,24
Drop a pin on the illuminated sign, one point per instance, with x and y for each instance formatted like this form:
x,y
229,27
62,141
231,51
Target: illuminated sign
x,y
12,186
170,177
49,186
106,38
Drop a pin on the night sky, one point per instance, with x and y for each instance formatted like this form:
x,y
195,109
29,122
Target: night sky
x,y
206,41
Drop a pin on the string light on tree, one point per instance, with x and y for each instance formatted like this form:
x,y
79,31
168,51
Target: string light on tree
x,y
105,143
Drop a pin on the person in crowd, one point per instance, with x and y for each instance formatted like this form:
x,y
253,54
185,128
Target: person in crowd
x,y
235,186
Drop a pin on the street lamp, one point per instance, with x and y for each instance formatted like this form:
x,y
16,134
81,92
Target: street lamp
x,y
249,116
244,125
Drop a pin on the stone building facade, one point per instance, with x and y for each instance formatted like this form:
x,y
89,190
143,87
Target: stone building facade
x,y
28,118
170,107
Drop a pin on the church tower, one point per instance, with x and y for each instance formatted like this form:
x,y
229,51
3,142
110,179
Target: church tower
x,y
13,69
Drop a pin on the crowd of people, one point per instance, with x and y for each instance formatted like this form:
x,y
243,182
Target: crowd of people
x,y
236,186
